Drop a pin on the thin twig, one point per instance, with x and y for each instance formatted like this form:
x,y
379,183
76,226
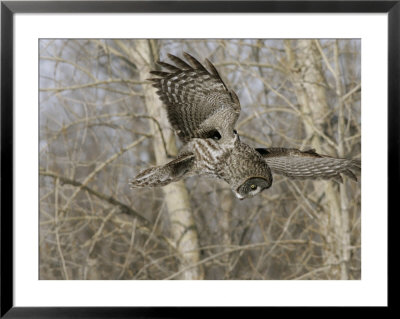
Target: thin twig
x,y
124,208
64,267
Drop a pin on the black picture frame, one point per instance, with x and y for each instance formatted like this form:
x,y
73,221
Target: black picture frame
x,y
9,8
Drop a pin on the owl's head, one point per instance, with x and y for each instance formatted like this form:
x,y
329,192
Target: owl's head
x,y
252,186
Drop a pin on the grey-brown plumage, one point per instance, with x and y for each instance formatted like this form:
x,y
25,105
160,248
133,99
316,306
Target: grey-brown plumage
x,y
165,174
297,164
240,165
197,100
199,104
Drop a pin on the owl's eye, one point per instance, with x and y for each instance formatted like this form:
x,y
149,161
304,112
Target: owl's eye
x,y
215,135
252,186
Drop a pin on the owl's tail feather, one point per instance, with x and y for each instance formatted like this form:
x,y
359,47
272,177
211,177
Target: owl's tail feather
x,y
163,175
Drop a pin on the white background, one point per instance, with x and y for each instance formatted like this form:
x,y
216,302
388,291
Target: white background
x,y
370,290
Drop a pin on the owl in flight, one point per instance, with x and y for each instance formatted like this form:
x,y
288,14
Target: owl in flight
x,y
203,112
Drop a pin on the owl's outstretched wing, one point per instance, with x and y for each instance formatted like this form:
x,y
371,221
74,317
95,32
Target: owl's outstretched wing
x,y
196,98
297,164
165,174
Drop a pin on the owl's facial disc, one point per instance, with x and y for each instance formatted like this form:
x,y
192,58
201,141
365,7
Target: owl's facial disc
x,y
252,186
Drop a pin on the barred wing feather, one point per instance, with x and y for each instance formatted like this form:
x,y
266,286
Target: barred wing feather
x,y
195,98
297,164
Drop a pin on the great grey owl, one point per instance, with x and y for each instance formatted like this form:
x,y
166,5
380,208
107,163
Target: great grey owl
x,y
203,112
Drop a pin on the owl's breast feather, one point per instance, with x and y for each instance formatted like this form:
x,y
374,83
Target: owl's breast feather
x,y
210,156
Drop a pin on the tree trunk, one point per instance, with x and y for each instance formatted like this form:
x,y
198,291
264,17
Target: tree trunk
x,y
183,231
307,77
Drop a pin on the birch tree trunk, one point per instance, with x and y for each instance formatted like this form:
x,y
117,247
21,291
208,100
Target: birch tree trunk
x,y
225,217
183,230
305,70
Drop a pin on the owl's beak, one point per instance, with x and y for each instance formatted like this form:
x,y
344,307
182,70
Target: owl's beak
x,y
238,196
